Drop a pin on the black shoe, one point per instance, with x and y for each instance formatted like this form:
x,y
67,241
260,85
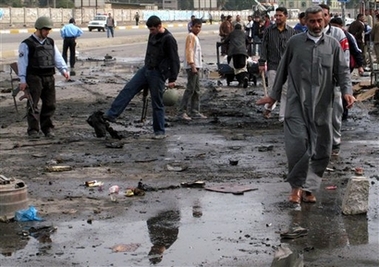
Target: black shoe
x,y
107,118
245,82
33,134
49,134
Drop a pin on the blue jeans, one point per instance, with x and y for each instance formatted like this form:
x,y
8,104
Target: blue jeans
x,y
110,30
154,80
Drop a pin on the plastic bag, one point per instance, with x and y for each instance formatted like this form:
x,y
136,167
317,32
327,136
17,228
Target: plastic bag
x,y
29,214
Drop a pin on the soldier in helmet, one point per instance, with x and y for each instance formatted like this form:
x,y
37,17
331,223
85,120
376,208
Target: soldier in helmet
x,y
38,58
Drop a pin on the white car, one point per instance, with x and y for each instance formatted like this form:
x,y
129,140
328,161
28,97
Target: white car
x,y
348,21
99,22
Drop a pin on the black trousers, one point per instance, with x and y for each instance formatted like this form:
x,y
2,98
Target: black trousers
x,y
69,43
41,88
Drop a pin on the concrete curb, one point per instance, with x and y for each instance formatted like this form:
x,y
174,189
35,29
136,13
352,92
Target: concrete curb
x,y
82,44
85,29
8,54
128,27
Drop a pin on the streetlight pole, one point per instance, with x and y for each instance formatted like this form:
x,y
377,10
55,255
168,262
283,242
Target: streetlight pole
x,y
343,12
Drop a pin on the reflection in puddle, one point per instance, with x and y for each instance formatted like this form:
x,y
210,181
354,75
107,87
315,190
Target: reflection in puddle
x,y
163,231
11,239
15,236
214,227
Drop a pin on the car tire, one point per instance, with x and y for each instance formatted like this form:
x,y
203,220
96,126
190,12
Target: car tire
x,y
90,29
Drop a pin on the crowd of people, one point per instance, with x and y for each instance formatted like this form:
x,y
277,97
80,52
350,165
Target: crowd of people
x,y
308,68
289,65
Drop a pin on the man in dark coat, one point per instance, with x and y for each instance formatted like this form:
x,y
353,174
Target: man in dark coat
x,y
237,54
357,29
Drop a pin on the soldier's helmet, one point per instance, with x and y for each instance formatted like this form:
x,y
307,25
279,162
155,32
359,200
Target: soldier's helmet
x,y
170,97
44,22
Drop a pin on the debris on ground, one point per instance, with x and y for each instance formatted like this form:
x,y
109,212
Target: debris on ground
x,y
38,231
196,184
265,148
125,247
176,167
294,232
358,171
93,183
114,145
113,192
26,215
145,187
233,162
58,168
231,188
134,192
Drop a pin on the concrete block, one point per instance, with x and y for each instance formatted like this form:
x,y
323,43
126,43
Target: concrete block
x,y
355,200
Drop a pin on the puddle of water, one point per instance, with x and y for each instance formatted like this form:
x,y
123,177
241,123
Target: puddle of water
x,y
187,233
196,226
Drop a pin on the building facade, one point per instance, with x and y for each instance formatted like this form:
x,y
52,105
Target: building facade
x,y
170,4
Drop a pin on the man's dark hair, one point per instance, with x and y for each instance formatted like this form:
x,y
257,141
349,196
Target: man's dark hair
x,y
337,21
359,15
228,17
238,26
153,21
72,20
282,9
197,21
323,6
301,15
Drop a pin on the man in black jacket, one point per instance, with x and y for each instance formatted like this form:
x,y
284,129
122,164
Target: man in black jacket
x,y
161,63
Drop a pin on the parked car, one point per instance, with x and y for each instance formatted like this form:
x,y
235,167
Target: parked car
x,y
348,21
99,22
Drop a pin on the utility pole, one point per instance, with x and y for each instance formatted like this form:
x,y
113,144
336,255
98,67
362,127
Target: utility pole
x,y
343,3
343,12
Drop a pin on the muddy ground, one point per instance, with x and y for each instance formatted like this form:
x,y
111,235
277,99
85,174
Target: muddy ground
x,y
200,227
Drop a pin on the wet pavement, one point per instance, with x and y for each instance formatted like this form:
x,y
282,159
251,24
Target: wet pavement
x,y
174,225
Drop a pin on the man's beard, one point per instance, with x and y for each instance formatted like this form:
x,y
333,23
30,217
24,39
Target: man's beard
x,y
315,34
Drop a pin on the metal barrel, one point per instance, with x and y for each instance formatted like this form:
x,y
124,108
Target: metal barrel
x,y
13,197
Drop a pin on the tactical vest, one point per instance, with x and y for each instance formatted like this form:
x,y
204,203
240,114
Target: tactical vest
x,y
41,57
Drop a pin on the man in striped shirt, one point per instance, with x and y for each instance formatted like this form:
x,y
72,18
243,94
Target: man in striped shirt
x,y
274,43
340,36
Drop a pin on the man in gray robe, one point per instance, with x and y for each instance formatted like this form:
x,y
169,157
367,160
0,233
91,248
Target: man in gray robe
x,y
312,64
